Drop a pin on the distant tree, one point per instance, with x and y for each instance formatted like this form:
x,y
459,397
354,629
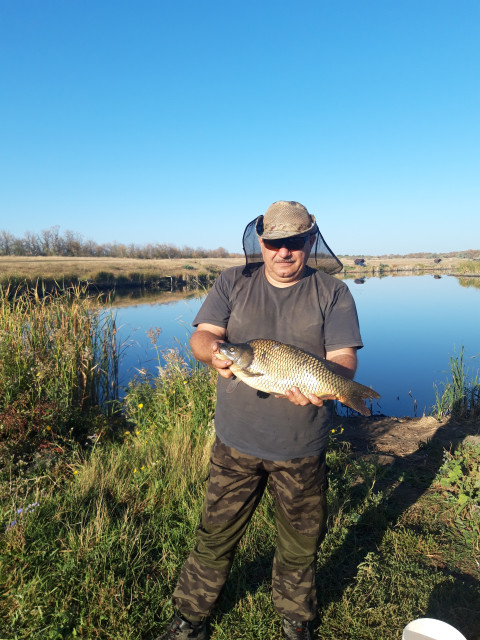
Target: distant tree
x,y
32,244
7,241
219,253
73,243
50,241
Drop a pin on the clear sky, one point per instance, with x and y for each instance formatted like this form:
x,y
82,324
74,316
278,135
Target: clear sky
x,y
179,121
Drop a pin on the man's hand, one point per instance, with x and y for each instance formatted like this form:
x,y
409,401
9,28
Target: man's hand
x,y
219,364
296,397
204,342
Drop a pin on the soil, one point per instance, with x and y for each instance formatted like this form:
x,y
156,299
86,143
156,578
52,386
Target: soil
x,y
391,438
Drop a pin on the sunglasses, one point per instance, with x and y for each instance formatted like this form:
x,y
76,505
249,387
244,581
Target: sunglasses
x,y
292,244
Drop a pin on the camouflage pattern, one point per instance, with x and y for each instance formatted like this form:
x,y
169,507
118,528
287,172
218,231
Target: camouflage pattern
x,y
236,484
292,630
180,629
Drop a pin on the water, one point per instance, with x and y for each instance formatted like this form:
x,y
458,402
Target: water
x,y
410,326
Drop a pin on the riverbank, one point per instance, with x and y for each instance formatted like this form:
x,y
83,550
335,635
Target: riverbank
x,y
169,275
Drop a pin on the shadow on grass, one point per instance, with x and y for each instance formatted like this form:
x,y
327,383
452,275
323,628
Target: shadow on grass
x,y
403,482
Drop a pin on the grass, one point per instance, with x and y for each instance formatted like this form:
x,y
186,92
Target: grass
x,y
100,554
460,397
56,272
97,521
469,267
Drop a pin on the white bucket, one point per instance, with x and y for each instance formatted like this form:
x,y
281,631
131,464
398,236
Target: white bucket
x,y
430,629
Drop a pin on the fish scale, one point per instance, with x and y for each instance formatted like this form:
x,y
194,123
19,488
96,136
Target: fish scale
x,y
274,367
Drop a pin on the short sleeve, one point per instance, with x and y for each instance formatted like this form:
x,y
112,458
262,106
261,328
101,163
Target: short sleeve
x,y
216,308
341,321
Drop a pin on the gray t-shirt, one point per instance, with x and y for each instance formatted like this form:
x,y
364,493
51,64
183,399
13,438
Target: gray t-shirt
x,y
317,314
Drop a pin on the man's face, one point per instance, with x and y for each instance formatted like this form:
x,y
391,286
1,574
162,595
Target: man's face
x,y
285,259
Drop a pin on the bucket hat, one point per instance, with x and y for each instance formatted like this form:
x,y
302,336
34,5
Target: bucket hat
x,y
285,219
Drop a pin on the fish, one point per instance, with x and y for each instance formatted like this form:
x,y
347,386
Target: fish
x,y
271,366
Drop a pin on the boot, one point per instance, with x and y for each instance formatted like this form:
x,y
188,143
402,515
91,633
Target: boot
x,y
180,629
292,630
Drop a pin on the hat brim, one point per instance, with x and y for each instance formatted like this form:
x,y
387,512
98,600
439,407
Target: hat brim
x,y
276,234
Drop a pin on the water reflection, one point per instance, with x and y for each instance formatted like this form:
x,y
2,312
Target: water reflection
x,y
410,326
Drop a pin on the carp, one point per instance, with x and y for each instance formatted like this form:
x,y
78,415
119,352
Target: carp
x,y
274,367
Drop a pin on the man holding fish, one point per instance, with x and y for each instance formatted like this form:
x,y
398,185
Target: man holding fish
x,y
271,419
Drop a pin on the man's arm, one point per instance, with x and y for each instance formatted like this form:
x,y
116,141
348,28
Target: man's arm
x,y
204,345
345,364
345,361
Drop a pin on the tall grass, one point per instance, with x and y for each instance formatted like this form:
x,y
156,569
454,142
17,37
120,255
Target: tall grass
x,y
58,356
460,397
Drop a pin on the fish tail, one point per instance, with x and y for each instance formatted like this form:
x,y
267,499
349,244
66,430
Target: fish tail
x,y
357,404
355,396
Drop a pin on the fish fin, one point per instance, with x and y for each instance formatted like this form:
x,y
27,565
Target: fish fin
x,y
232,384
248,374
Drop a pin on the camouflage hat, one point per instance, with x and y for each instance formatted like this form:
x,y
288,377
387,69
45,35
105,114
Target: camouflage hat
x,y
285,219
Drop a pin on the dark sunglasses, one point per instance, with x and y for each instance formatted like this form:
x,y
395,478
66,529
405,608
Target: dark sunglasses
x,y
292,244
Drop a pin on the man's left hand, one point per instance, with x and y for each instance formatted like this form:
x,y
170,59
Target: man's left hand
x,y
296,397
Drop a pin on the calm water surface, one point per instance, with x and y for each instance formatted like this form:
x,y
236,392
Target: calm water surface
x,y
410,326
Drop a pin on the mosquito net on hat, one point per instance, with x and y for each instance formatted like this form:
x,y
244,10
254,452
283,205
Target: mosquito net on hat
x,y
321,256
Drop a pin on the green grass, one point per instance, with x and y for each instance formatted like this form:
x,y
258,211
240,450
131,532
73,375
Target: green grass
x,y
96,522
99,556
460,397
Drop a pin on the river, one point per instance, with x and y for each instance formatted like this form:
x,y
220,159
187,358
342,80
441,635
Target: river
x,y
411,326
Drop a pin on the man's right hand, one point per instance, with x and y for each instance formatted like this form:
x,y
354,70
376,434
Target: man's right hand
x,y
222,366
204,342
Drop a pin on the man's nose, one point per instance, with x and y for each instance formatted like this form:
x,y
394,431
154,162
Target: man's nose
x,y
283,252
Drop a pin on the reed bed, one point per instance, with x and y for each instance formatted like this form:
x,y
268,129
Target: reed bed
x,y
58,358
460,396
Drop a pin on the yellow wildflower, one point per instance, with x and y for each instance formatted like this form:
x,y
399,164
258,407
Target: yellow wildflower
x,y
140,406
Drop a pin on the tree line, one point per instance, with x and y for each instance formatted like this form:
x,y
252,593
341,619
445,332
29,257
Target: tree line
x,y
50,242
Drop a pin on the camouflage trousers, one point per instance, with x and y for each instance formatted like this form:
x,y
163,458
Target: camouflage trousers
x,y
236,484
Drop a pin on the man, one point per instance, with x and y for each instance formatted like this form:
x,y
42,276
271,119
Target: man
x,y
268,439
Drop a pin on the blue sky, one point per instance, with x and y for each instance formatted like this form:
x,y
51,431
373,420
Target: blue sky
x,y
180,121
